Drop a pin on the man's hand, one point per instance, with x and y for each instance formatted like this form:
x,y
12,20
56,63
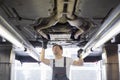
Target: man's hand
x,y
44,42
79,53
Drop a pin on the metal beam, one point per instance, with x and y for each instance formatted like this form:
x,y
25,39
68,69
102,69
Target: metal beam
x,y
13,35
111,23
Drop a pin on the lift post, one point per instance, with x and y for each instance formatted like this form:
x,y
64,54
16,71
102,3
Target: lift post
x,y
112,63
5,64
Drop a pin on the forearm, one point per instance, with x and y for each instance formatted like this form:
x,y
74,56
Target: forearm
x,y
42,57
78,62
42,54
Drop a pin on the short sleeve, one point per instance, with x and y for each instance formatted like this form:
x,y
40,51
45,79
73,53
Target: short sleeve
x,y
70,61
51,63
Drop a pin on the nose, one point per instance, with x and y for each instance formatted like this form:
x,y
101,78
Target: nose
x,y
55,49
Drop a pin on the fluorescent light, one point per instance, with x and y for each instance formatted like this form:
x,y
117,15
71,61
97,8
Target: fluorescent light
x,y
9,36
13,35
113,31
108,30
110,33
84,54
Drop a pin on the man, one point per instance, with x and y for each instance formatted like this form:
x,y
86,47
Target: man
x,y
60,65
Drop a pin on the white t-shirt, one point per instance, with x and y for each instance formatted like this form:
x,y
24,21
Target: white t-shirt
x,y
60,63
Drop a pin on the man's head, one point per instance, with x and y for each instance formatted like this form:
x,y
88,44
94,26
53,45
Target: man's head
x,y
57,49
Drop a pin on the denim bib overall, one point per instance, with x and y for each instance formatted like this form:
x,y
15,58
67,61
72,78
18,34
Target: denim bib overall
x,y
59,73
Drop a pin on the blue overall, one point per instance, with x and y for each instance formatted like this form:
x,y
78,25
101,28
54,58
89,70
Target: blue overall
x,y
59,73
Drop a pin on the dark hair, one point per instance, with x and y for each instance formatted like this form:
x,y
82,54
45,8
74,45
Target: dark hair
x,y
58,46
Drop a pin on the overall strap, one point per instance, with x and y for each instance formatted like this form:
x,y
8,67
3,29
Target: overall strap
x,y
64,61
53,62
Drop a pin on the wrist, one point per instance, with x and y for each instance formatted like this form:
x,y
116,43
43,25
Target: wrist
x,y
80,56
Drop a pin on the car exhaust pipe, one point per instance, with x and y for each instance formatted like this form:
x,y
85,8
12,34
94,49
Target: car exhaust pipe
x,y
62,17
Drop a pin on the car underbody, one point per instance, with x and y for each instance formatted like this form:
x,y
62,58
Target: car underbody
x,y
65,22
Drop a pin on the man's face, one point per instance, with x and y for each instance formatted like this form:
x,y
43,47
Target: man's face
x,y
56,50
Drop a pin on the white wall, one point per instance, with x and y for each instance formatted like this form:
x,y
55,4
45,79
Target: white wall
x,y
34,71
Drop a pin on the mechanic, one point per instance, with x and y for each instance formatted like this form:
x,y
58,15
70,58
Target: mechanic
x,y
60,65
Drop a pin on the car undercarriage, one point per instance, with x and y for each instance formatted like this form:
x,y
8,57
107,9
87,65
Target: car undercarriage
x,y
66,22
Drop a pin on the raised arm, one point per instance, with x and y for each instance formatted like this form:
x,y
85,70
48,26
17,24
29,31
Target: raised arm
x,y
42,53
79,61
42,57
